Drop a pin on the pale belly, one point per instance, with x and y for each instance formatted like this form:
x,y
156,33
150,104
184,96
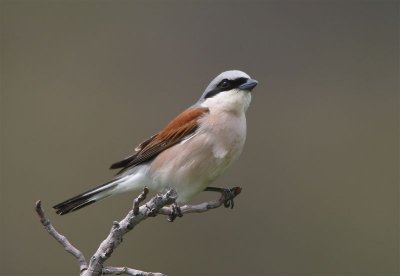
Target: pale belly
x,y
189,167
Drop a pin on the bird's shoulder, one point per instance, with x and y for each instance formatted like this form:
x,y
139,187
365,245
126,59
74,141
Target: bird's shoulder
x,y
174,132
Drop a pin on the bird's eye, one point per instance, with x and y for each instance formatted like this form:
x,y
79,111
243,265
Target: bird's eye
x,y
224,84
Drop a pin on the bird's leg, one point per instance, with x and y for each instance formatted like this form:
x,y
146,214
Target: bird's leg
x,y
176,212
227,194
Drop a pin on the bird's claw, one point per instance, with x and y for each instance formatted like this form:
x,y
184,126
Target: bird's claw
x,y
228,195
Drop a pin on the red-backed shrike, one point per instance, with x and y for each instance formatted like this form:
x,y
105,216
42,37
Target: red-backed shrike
x,y
190,152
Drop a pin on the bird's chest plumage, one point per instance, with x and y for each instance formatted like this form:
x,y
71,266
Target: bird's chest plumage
x,y
226,137
191,165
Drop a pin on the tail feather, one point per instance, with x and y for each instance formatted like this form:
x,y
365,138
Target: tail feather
x,y
85,199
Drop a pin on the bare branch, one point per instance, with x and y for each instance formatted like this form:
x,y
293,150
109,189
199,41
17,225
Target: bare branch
x,y
150,209
202,207
129,271
156,205
139,200
60,238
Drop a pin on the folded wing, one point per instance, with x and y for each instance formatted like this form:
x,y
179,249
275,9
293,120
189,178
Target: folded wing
x,y
176,131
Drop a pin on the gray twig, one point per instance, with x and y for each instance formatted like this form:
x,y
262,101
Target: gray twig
x,y
202,207
129,271
139,200
119,229
156,205
60,238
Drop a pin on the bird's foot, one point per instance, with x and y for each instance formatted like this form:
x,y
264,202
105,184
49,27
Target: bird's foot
x,y
227,195
175,212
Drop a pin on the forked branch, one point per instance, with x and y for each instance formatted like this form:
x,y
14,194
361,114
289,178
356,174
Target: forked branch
x,y
156,205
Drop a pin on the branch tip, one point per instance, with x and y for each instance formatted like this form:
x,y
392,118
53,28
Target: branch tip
x,y
139,199
236,190
39,209
38,204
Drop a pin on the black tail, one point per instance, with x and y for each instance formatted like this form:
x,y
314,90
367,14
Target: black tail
x,y
84,199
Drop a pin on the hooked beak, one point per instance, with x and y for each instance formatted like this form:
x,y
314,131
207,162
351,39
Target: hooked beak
x,y
248,85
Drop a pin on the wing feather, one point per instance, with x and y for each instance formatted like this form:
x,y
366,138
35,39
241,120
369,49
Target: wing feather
x,y
177,130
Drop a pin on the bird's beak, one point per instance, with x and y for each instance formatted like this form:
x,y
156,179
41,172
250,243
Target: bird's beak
x,y
248,85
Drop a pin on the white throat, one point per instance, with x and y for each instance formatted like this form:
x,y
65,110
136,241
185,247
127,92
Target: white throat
x,y
234,100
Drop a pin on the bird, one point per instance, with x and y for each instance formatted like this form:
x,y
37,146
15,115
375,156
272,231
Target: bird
x,y
189,153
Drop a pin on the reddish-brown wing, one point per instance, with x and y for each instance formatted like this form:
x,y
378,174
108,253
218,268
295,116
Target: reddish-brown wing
x,y
176,131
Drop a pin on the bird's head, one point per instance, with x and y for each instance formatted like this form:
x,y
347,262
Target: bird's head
x,y
230,90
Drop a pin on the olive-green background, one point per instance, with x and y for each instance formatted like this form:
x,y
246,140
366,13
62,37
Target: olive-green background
x,y
83,82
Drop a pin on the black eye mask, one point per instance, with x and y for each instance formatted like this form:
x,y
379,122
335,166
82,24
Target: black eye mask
x,y
226,85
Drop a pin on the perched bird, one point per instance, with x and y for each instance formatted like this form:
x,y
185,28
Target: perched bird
x,y
190,152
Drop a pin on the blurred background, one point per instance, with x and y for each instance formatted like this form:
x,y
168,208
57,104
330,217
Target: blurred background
x,y
82,82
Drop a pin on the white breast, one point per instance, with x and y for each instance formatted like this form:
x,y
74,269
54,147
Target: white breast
x,y
192,165
226,134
